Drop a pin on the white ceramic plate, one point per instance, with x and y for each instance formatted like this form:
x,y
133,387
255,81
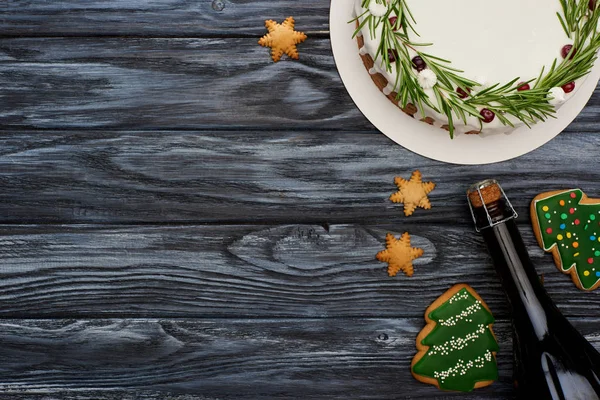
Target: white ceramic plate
x,y
430,141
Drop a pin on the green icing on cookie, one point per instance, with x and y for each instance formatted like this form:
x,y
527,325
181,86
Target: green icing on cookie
x,y
573,228
460,345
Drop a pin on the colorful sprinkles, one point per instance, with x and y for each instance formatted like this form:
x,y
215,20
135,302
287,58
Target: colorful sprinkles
x,y
574,240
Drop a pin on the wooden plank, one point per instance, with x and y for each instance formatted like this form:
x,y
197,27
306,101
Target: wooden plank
x,y
178,83
216,359
157,18
99,394
249,271
256,177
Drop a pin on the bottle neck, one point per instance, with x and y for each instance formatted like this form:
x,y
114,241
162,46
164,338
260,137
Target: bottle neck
x,y
553,360
528,299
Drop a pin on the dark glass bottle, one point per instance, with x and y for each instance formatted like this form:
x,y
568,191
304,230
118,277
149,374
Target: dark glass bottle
x,y
552,359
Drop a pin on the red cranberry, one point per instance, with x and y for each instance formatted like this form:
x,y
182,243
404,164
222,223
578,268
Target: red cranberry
x,y
523,86
392,55
569,87
462,94
488,115
393,21
418,63
566,50
592,5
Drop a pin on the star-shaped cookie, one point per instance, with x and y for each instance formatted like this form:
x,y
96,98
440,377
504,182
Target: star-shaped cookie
x,y
399,254
282,38
412,193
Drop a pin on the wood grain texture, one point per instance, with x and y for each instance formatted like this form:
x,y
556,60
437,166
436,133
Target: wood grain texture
x,y
226,359
235,207
178,83
99,394
158,18
249,271
250,177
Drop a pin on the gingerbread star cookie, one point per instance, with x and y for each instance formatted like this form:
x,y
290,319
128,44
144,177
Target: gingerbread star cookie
x,y
399,254
282,38
412,193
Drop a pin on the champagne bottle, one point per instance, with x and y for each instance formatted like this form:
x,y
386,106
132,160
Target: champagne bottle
x,y
552,359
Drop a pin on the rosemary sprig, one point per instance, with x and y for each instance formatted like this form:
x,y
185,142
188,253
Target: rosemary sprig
x,y
577,19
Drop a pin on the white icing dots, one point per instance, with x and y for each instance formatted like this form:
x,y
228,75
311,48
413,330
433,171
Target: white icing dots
x,y
462,366
455,347
470,310
462,295
456,344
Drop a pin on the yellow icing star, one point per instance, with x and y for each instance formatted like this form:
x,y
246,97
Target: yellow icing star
x,y
399,254
412,193
282,38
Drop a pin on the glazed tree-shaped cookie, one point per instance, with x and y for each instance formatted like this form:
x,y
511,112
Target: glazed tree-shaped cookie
x,y
412,193
567,224
457,348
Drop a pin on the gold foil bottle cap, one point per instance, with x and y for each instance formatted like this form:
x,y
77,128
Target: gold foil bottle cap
x,y
489,204
484,192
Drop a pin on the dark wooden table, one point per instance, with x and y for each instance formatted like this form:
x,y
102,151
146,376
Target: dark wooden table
x,y
181,218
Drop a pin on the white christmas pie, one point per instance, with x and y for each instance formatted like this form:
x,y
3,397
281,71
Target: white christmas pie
x,y
478,66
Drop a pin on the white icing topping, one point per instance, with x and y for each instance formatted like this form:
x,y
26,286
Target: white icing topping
x,y
482,80
427,79
388,89
488,48
378,8
556,96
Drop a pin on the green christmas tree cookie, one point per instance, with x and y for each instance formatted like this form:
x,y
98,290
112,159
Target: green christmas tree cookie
x,y
567,224
457,348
